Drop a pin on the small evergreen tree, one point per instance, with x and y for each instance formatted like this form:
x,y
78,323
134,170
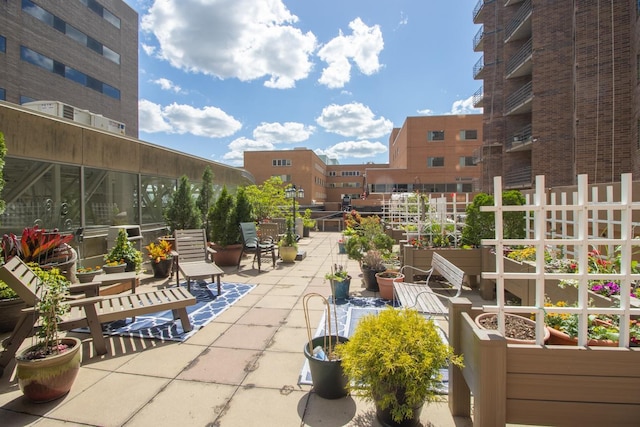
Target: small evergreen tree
x,y
181,212
222,217
243,207
205,199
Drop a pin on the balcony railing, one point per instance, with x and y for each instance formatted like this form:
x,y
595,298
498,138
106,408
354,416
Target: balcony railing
x,y
519,98
477,97
520,140
521,17
478,67
518,178
523,55
512,2
477,39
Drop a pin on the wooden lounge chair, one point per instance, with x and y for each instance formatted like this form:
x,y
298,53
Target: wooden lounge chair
x,y
85,312
252,244
195,258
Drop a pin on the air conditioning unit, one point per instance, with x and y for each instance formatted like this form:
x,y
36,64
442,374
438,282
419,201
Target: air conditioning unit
x,y
65,111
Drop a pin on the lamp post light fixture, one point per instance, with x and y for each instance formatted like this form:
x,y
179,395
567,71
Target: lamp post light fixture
x,y
293,193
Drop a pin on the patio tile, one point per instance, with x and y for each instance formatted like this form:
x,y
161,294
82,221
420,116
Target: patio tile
x,y
185,403
111,401
221,365
269,301
290,339
173,360
296,318
254,337
265,407
209,333
276,370
264,316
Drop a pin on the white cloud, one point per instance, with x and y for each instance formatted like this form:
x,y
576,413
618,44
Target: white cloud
x,y
362,47
244,39
426,112
354,149
148,49
210,122
282,132
465,106
167,84
237,147
353,120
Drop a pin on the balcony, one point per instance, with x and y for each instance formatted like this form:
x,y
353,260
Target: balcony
x,y
520,101
478,39
519,178
512,2
520,25
477,97
478,67
520,140
521,63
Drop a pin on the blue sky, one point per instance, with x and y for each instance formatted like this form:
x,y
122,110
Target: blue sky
x,y
218,77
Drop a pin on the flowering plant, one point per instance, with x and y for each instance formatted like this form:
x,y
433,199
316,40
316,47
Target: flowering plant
x,y
159,252
89,269
114,263
420,243
338,273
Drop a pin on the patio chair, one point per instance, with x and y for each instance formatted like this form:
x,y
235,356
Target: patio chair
x,y
88,313
251,244
194,257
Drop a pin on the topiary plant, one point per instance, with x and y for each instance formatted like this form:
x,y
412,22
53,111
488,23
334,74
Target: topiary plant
x,y
181,212
394,359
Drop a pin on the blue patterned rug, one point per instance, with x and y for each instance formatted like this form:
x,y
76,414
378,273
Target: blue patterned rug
x,y
162,326
349,313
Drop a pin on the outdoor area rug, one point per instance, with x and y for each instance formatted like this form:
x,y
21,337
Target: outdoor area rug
x,y
349,314
162,326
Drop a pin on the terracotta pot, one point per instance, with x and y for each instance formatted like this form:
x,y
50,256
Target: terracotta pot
x,y
479,318
385,281
227,256
43,380
560,338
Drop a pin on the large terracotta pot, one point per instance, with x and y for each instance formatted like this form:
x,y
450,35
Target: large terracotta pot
x,y
227,256
560,338
509,317
43,380
385,281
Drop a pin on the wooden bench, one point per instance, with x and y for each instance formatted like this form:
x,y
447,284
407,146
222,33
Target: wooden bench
x,y
421,296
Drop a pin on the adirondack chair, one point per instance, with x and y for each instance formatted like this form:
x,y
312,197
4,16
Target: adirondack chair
x,y
251,244
85,312
195,259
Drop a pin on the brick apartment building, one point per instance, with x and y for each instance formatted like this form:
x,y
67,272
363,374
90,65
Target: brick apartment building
x,y
428,154
560,90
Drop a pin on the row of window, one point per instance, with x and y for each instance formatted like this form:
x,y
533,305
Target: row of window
x,y
73,33
458,187
281,162
70,73
465,135
99,10
344,185
437,162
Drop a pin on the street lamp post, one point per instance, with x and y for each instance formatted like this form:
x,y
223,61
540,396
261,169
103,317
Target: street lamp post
x,y
293,193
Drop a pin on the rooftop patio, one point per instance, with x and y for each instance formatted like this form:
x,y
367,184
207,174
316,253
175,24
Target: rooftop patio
x,y
241,369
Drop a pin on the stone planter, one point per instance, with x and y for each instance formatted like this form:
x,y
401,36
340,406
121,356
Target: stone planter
x,y
110,269
87,276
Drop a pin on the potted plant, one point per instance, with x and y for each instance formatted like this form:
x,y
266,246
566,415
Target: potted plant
x,y
288,246
371,264
385,281
161,258
87,274
47,370
340,282
307,223
11,306
225,217
123,251
394,359
181,212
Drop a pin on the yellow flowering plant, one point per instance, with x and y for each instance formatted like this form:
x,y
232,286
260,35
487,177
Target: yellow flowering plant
x,y
160,251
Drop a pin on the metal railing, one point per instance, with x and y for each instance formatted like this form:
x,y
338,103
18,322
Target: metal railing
x,y
521,16
519,58
477,97
519,97
477,39
478,67
477,9
521,137
520,177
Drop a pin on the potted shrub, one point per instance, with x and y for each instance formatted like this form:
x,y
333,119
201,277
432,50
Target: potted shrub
x,y
161,258
181,212
123,251
47,370
288,246
371,264
340,282
225,217
394,359
307,223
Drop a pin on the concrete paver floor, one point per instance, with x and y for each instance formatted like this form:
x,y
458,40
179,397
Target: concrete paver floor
x,y
239,370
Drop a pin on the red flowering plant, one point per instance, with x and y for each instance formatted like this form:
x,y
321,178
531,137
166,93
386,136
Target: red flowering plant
x,y
420,242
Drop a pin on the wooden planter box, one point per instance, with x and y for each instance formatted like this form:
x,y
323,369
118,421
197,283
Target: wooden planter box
x,y
539,385
468,260
525,289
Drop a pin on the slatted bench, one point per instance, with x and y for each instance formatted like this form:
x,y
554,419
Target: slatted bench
x,y
421,296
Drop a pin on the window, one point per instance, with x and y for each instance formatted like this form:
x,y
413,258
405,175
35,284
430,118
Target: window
x,y
281,162
97,8
467,161
468,134
3,44
332,173
435,135
3,94
434,162
350,173
59,68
